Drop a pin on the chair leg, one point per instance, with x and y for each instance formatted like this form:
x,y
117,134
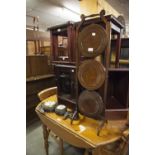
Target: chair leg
x,y
45,134
61,145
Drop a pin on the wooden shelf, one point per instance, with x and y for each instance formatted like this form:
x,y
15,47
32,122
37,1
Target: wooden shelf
x,y
63,62
63,58
118,69
116,114
65,65
67,97
113,103
125,38
62,47
39,77
121,61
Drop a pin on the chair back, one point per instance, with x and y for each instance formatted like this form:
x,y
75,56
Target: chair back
x,y
47,93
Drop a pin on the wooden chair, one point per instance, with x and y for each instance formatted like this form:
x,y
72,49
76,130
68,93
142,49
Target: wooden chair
x,y
47,93
42,96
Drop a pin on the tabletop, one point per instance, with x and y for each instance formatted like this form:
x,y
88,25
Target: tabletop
x,y
85,128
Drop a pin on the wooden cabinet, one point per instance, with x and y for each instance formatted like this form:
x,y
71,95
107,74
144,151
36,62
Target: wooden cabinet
x,y
65,81
67,58
63,43
35,40
33,86
46,50
118,87
63,61
124,53
37,65
39,77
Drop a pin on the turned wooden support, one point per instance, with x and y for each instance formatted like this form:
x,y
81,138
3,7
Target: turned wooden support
x,y
100,151
125,138
96,151
61,145
86,152
45,134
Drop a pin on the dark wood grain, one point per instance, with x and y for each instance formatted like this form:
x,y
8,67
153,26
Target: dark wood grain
x,y
114,84
33,87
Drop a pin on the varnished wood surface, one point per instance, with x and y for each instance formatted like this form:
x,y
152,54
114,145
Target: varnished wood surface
x,y
47,93
91,74
33,87
38,65
82,133
118,69
39,77
34,35
45,135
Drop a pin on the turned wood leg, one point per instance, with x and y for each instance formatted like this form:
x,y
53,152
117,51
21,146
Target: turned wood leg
x,y
98,151
95,151
86,152
45,134
125,148
61,145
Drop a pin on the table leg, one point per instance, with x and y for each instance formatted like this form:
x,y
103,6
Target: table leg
x,y
86,152
125,148
95,151
100,151
61,145
45,134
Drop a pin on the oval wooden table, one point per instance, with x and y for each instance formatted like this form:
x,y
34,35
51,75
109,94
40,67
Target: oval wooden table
x,y
82,133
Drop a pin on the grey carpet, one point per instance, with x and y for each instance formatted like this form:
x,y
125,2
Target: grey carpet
x,y
35,143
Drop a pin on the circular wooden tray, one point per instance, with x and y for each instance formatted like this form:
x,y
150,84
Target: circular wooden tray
x,y
91,74
92,40
90,104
